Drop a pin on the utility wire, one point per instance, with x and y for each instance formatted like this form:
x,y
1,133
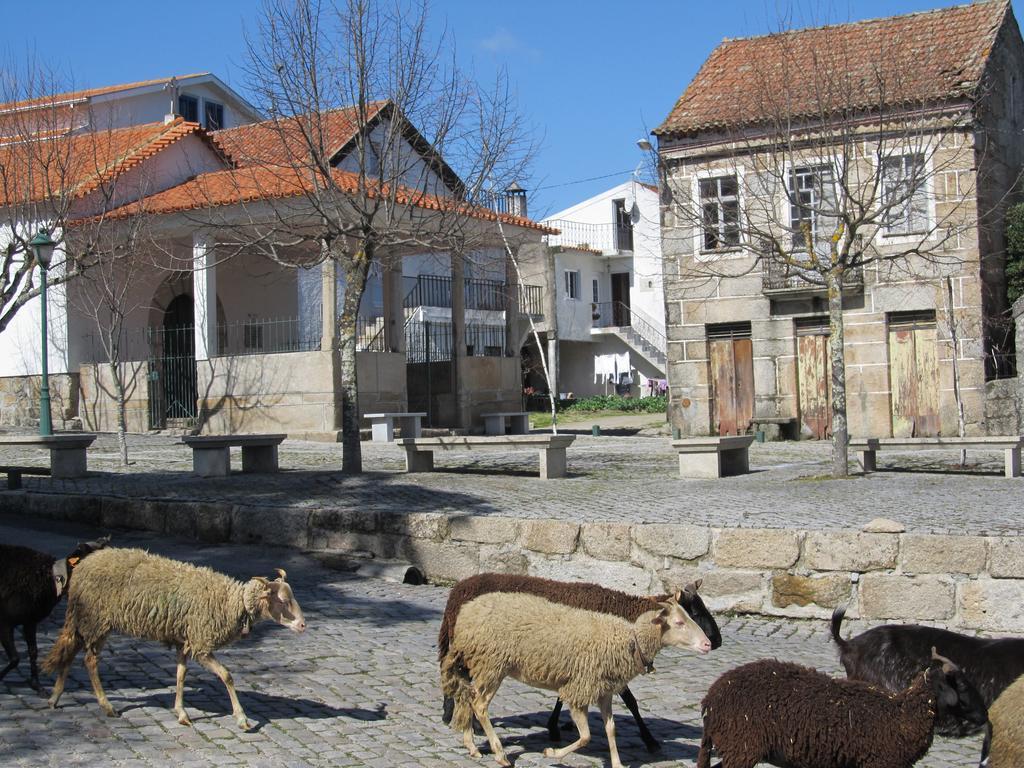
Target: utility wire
x,y
583,181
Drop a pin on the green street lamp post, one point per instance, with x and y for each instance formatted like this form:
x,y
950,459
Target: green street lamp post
x,y
42,246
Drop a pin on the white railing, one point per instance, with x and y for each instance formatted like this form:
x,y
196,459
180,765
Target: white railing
x,y
604,238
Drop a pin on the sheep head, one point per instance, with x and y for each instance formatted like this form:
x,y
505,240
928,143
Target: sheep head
x,y
678,628
277,602
60,576
955,695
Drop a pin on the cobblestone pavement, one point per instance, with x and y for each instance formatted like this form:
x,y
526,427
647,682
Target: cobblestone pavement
x,y
612,478
358,688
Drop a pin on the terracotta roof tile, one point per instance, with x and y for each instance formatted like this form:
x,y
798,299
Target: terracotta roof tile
x,y
277,142
73,166
920,57
253,183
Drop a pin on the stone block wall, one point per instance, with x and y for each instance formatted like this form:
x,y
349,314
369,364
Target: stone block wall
x,y
974,582
19,400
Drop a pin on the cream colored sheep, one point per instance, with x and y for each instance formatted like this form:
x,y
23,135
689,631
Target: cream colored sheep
x,y
1005,742
585,656
193,609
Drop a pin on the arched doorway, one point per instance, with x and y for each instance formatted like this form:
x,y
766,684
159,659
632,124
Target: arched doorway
x,y
172,370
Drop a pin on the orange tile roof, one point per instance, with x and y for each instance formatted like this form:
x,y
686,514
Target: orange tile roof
x,y
917,58
73,166
81,95
253,183
280,142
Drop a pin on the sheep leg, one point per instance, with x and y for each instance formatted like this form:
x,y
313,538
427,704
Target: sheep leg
x,y
92,664
605,704
62,673
629,700
221,671
7,639
29,630
554,730
579,717
179,691
480,702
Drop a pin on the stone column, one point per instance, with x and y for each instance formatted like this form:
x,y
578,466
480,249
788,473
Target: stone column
x,y
204,292
511,308
459,383
329,305
394,313
1018,319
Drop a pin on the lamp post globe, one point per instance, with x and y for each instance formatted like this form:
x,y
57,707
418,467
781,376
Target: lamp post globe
x,y
42,246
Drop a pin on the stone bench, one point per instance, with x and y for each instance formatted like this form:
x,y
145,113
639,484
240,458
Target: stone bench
x,y
867,448
382,425
419,452
67,451
211,454
14,475
713,456
494,423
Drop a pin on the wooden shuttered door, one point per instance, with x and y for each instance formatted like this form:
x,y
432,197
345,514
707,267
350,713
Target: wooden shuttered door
x,y
914,374
732,377
814,373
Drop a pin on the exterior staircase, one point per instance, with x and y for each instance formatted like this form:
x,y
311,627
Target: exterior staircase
x,y
638,331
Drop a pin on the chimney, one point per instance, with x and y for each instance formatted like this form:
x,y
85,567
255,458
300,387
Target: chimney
x,y
515,200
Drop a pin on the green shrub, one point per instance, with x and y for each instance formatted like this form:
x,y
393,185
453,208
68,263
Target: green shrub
x,y
1015,252
656,404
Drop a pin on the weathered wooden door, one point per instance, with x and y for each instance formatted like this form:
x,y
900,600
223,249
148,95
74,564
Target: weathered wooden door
x,y
814,373
914,375
732,378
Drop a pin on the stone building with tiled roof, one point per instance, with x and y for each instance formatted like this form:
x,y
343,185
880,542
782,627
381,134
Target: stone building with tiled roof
x,y
217,335
878,156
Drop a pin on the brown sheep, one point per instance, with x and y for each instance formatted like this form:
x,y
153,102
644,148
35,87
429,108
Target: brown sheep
x,y
1004,743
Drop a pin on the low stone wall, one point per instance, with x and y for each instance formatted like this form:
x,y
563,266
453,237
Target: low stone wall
x,y
968,581
19,400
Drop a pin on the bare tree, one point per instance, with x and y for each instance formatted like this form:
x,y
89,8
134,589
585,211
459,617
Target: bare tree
x,y
377,144
847,171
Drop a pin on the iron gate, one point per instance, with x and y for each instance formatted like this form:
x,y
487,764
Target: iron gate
x,y
172,376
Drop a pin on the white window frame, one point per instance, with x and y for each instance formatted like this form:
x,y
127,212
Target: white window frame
x,y
571,284
787,196
889,235
719,201
729,252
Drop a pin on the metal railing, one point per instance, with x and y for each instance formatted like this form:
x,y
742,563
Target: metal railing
x,y
777,275
267,336
616,314
604,238
429,341
436,291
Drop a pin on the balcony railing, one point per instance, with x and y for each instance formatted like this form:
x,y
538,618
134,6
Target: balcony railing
x,y
615,314
605,238
431,341
779,277
436,291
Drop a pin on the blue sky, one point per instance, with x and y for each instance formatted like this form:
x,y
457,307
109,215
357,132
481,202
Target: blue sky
x,y
592,77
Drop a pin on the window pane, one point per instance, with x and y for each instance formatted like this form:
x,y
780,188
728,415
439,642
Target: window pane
x,y
731,223
708,188
188,108
728,186
214,116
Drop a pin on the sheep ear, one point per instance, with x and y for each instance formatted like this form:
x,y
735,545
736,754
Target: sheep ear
x,y
691,589
281,575
262,580
677,597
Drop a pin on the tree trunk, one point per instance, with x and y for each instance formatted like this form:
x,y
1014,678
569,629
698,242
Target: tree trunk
x,y
356,270
122,419
840,429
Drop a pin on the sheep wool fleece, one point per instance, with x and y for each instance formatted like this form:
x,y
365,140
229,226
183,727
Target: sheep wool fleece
x,y
1007,718
580,654
794,715
589,597
132,592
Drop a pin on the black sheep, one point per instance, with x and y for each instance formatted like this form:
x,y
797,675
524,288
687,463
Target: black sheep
x,y
788,715
890,657
31,584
